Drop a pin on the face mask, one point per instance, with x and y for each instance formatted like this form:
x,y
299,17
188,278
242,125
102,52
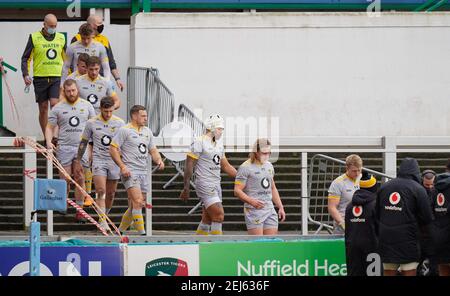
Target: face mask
x,y
51,31
100,28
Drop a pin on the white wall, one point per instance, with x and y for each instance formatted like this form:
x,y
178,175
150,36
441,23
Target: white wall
x,y
14,36
323,74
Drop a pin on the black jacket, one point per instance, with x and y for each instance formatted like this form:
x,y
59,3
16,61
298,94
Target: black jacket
x,y
360,221
441,209
425,236
402,206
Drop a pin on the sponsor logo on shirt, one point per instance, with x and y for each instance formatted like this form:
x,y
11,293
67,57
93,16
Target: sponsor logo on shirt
x,y
92,98
265,183
74,121
142,148
105,140
51,54
357,211
394,199
440,200
216,159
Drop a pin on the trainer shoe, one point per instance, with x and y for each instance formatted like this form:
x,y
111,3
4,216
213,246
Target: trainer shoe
x,y
104,225
88,201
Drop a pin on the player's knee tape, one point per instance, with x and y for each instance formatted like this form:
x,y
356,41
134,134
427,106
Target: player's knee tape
x,y
100,196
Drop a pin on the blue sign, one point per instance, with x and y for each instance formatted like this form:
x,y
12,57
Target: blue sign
x,y
50,195
63,261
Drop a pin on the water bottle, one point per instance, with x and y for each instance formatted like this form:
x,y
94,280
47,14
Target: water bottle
x,y
27,88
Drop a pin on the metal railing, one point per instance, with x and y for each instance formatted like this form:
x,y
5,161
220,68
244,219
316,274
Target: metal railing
x,y
146,88
137,90
29,171
160,104
389,147
323,170
187,116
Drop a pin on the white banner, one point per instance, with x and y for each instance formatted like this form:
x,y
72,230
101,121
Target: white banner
x,y
163,260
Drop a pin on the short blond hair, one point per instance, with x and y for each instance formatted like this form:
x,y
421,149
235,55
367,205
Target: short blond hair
x,y
259,144
353,160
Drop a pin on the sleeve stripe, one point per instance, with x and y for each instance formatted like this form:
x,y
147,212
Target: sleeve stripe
x,y
334,197
191,155
115,144
239,183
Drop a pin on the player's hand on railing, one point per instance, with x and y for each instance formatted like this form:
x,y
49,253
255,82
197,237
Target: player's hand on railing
x,y
184,195
281,214
257,204
124,171
342,226
160,165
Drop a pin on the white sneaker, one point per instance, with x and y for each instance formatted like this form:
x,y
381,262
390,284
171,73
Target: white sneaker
x,y
104,225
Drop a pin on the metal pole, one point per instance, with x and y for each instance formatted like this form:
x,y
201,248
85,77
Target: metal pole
x,y
148,212
390,157
49,213
35,246
304,193
29,165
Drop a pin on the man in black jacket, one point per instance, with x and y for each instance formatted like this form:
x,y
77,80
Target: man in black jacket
x,y
360,231
441,209
402,207
427,266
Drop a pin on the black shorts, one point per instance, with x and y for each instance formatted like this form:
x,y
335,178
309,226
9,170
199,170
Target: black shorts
x,y
46,88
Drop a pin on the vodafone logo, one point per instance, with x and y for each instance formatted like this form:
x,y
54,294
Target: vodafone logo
x,y
74,121
92,98
216,159
265,183
142,148
51,54
357,211
394,198
106,140
440,199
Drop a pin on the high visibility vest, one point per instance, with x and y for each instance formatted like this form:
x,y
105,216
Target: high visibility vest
x,y
47,55
99,38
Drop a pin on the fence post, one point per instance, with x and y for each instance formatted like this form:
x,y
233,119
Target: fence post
x,y
304,193
390,156
49,213
149,212
29,164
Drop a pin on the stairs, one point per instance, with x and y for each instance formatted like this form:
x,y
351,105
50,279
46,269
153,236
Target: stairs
x,y
169,212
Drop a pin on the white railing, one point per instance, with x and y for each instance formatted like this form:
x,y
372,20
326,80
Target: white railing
x,y
388,146
29,165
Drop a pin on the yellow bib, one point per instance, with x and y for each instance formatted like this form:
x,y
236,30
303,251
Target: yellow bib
x,y
47,55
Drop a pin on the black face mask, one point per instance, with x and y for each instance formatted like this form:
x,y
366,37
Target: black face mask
x,y
100,28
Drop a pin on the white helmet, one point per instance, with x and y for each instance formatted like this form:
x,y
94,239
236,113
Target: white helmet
x,y
214,121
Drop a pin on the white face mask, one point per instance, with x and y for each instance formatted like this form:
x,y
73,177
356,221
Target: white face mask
x,y
51,31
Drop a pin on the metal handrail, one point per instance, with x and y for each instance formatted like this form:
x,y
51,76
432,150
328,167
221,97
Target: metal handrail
x,y
310,180
146,88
